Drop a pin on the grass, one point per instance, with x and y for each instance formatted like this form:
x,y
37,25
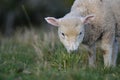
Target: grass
x,y
40,56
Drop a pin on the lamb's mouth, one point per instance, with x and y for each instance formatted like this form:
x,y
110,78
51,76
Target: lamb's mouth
x,y
72,50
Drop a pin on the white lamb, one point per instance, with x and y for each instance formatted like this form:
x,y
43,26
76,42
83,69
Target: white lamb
x,y
90,21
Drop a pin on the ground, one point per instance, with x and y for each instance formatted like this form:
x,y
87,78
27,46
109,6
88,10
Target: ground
x,y
45,58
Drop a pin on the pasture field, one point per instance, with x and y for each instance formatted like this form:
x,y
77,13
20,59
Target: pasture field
x,y
41,56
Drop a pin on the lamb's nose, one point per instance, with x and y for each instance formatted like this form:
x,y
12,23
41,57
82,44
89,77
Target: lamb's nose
x,y
73,47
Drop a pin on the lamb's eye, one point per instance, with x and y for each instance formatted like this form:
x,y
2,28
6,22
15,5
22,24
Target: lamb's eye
x,y
80,33
63,34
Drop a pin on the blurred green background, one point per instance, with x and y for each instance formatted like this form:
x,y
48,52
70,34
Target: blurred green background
x,y
14,13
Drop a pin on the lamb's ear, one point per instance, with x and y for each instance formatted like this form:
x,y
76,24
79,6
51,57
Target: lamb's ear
x,y
87,19
53,21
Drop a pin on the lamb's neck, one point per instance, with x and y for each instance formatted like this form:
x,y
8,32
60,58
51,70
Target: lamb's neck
x,y
92,34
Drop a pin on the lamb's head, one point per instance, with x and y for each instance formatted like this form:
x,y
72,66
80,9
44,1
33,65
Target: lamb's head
x,y
70,30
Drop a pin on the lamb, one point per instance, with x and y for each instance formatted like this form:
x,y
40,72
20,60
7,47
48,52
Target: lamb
x,y
88,22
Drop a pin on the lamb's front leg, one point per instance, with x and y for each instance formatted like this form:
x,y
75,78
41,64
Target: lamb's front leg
x,y
107,47
107,55
91,55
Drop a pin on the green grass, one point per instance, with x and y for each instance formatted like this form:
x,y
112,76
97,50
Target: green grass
x,y
45,58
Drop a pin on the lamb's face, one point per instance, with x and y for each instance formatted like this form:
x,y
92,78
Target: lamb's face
x,y
70,30
71,33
